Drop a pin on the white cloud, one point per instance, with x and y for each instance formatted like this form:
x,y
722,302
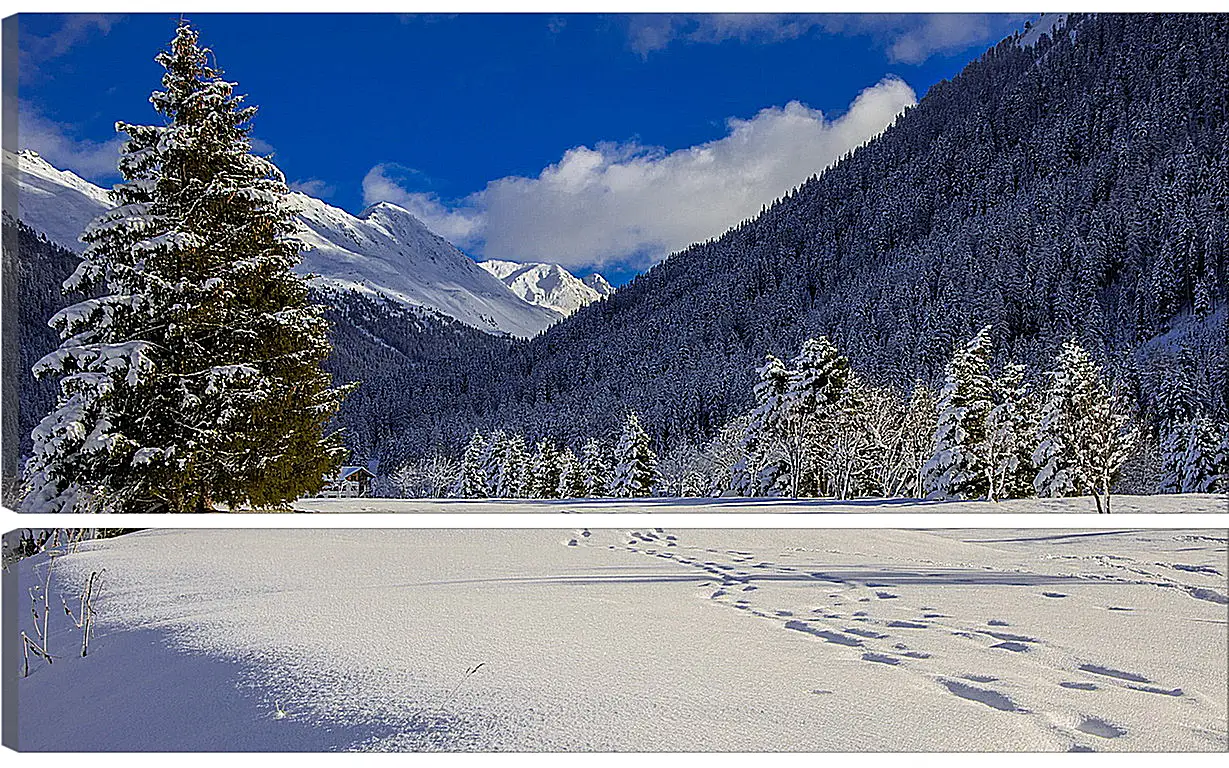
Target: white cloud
x,y
906,38
261,147
385,183
630,204
313,187
74,28
93,160
940,32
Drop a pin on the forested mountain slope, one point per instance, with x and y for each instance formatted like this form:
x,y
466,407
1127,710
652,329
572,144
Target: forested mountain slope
x,y
1075,188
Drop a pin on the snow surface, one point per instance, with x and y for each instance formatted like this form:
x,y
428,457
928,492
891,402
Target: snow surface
x,y
385,251
1200,503
548,285
773,640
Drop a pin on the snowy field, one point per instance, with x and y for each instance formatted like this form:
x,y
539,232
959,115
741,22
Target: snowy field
x,y
637,640
1206,503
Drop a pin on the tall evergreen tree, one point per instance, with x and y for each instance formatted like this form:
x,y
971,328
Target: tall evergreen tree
x,y
761,465
544,472
1189,456
1085,434
571,476
1010,435
595,468
494,456
472,484
818,379
195,377
635,471
956,468
512,478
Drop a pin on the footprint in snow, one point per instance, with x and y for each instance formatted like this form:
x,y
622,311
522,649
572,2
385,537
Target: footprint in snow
x,y
1095,726
992,699
1097,669
1150,689
1078,686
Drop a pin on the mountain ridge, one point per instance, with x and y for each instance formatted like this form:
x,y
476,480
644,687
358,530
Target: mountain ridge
x,y
549,285
384,251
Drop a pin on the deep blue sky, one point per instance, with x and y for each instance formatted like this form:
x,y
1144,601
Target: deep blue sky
x,y
466,99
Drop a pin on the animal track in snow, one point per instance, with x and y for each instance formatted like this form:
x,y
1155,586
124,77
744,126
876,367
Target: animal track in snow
x,y
1095,726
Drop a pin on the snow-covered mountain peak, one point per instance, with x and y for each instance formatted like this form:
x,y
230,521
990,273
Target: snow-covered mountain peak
x,y
599,284
57,203
386,251
548,285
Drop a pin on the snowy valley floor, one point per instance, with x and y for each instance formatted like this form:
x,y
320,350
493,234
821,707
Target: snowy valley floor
x,y
642,639
1205,503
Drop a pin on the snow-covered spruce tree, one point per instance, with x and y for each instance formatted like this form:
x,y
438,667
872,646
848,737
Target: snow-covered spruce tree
x,y
1189,456
571,476
544,472
818,378
635,471
1010,435
510,479
955,468
472,483
1085,434
761,467
1221,460
195,377
493,458
595,469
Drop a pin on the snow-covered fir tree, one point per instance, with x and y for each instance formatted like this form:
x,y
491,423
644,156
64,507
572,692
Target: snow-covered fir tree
x,y
512,476
595,469
544,471
761,467
1190,456
571,476
194,378
956,467
635,471
1006,454
1085,433
1221,460
818,378
472,483
494,456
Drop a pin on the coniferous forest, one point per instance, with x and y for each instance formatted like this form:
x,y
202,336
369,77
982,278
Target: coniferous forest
x,y
1019,288
1072,192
